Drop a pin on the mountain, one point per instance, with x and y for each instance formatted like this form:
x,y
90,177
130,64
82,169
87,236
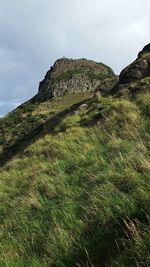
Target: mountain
x,y
75,168
69,76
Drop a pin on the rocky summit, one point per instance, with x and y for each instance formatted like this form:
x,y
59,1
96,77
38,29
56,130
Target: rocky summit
x,y
68,76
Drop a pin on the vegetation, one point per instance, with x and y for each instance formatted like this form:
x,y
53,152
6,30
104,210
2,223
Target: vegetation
x,y
90,74
130,90
27,120
68,75
110,71
98,76
78,193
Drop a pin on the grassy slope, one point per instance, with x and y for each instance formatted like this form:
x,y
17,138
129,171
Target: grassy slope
x,y
79,195
19,126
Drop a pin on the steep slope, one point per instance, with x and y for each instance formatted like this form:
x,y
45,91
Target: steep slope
x,y
79,196
77,192
25,123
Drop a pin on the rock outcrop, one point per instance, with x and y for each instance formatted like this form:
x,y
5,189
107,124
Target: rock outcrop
x,y
130,77
139,69
68,76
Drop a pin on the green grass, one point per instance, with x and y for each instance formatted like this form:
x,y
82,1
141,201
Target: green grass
x,y
131,90
30,117
79,195
98,76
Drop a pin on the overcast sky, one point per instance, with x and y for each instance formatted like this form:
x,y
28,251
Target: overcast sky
x,y
34,33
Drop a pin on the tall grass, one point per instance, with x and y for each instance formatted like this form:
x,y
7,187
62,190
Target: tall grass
x,y
80,197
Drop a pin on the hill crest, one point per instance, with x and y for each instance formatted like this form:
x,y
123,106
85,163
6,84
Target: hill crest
x,y
75,76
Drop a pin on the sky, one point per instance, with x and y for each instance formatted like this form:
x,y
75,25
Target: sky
x,y
34,33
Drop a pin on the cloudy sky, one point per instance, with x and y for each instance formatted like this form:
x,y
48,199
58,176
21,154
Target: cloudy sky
x,y
34,33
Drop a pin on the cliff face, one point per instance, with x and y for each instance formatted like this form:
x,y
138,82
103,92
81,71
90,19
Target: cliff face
x,y
68,76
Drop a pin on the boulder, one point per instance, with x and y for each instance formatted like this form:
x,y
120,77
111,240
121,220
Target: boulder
x,y
83,106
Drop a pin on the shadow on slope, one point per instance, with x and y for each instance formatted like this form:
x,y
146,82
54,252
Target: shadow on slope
x,y
44,128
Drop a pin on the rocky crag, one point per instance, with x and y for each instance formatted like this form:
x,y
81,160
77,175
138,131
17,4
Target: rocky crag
x,y
135,77
68,76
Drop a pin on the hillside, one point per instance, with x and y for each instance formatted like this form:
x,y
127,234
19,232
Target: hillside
x,y
75,171
67,83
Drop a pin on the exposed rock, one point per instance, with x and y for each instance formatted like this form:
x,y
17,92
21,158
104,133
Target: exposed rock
x,y
146,49
99,106
83,106
136,71
68,76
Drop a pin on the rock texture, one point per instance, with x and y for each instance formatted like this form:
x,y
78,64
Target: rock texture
x,y
146,50
68,76
130,77
139,69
